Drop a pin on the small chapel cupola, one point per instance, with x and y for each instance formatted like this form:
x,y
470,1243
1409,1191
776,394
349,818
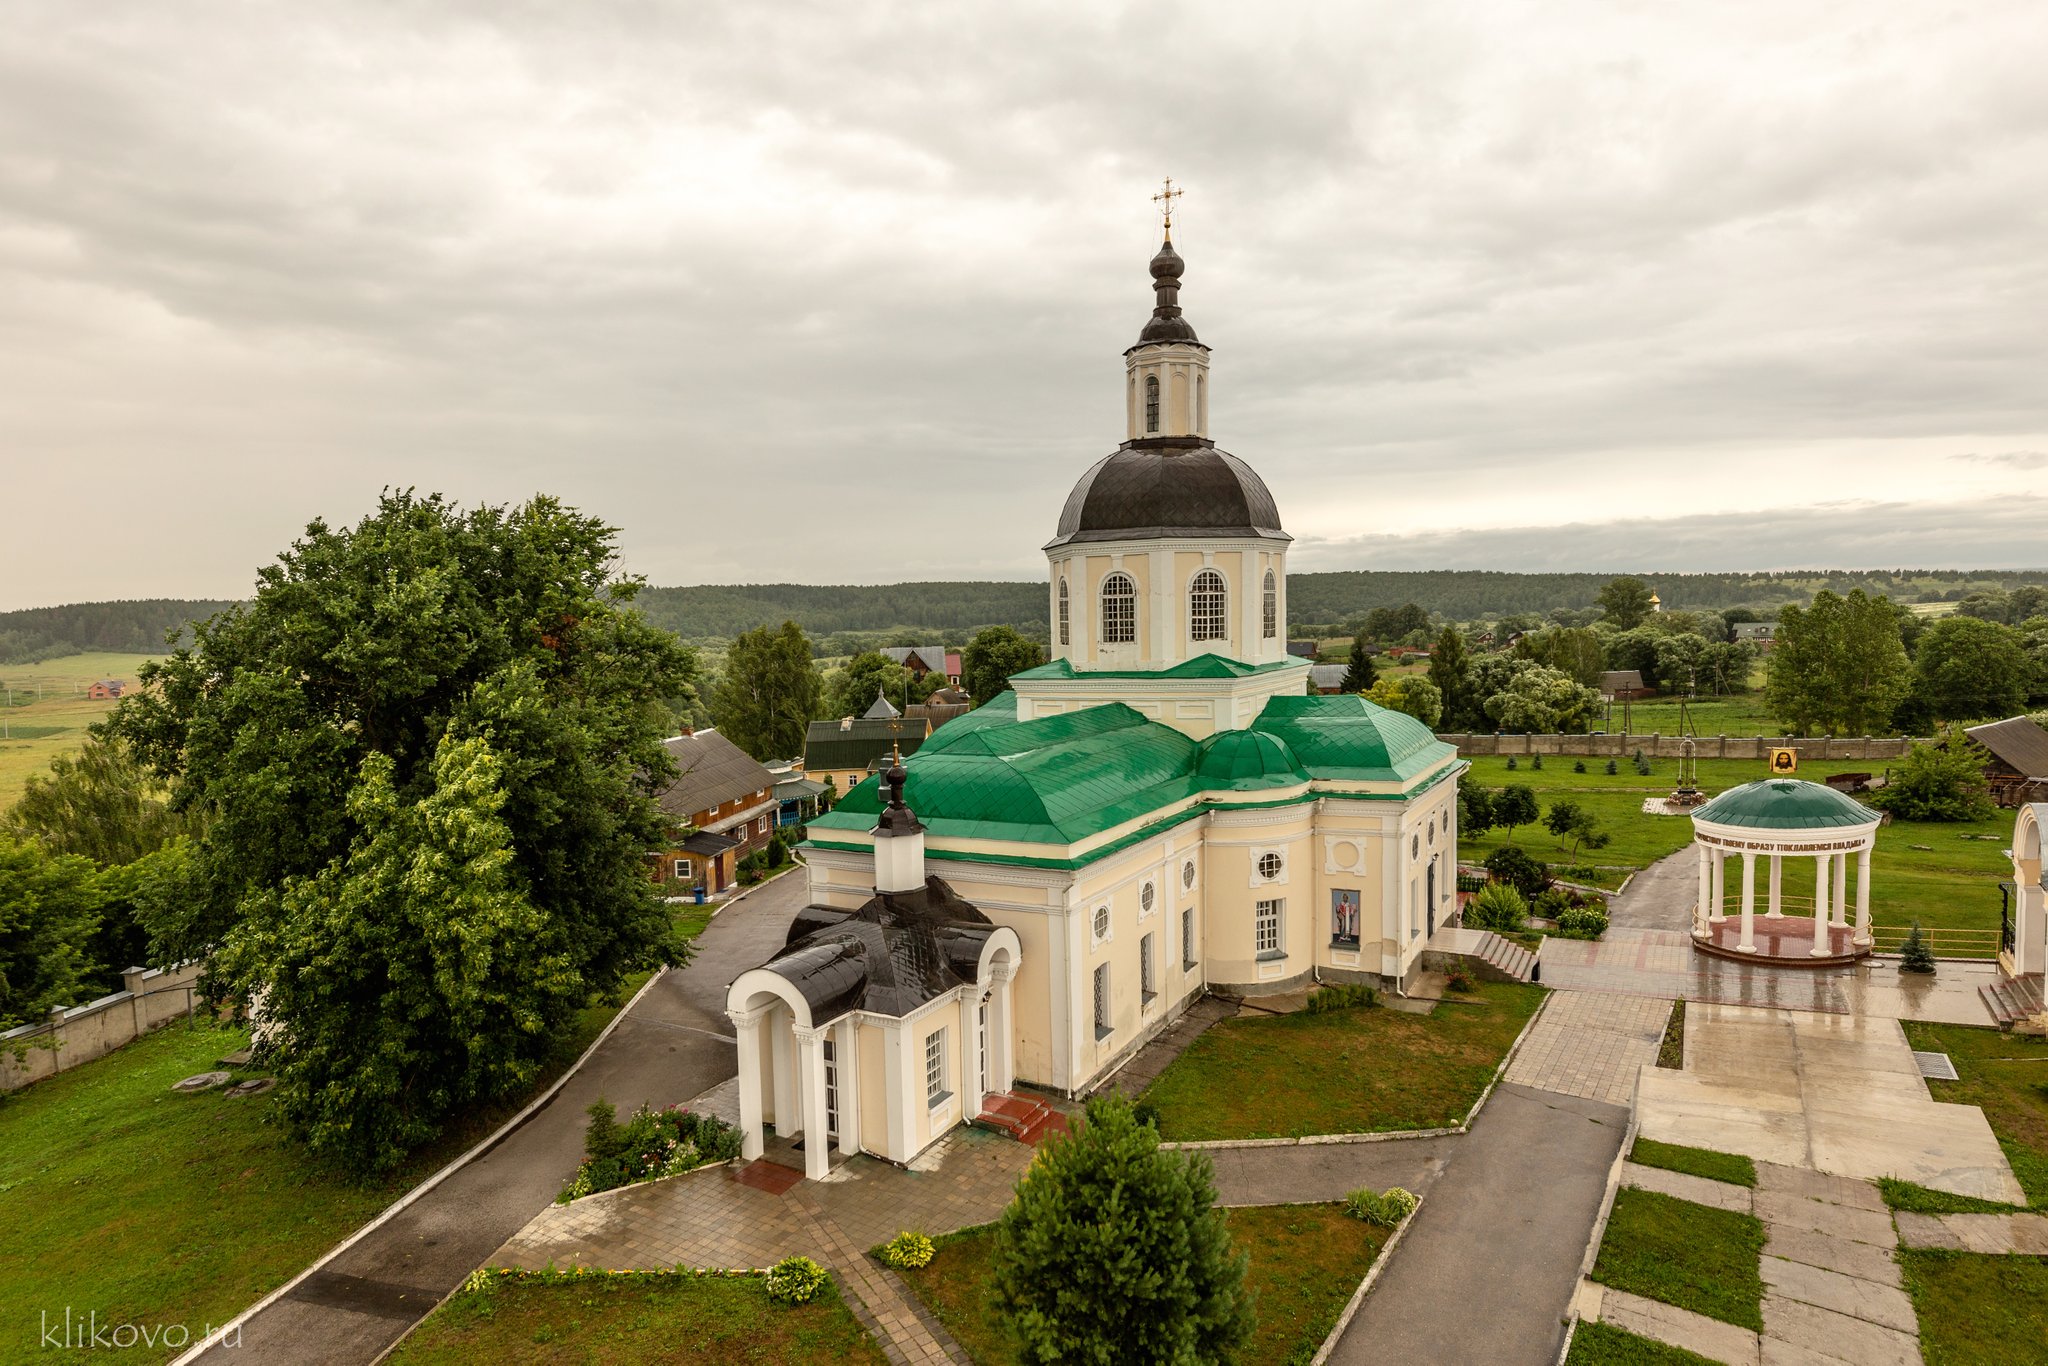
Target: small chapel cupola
x,y
1166,375
899,837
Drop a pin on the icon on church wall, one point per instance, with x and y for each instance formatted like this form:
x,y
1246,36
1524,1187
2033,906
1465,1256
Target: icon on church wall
x,y
1344,906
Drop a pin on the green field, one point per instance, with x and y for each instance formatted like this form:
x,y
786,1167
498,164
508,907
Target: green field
x,y
1945,876
50,712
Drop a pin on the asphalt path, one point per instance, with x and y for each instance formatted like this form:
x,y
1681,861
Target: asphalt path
x,y
672,1045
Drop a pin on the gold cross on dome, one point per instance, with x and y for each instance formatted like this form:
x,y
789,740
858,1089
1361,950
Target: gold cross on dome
x,y
1164,199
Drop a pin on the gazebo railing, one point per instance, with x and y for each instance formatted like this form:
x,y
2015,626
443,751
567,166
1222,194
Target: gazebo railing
x,y
1942,941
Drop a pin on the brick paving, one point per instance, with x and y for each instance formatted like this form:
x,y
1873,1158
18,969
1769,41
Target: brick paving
x,y
1591,1044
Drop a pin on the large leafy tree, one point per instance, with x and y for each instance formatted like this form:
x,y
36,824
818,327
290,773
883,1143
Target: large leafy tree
x,y
1839,665
992,657
1943,781
425,755
1967,668
1539,700
1573,651
49,910
1114,1252
768,694
99,803
1410,693
854,687
1624,602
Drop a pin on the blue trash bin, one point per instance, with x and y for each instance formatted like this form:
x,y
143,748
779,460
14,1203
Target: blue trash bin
x,y
700,895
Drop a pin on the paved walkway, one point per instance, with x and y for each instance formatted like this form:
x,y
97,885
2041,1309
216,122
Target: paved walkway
x,y
1831,1093
1833,1292
2024,1235
1155,1057
1591,1044
675,1043
1487,1270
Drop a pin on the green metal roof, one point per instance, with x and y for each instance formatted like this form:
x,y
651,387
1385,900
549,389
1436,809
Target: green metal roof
x,y
1000,710
1201,666
1245,760
1785,804
1345,736
830,744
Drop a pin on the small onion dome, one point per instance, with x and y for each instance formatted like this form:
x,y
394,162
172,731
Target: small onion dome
x,y
1167,263
1785,804
1240,759
1166,323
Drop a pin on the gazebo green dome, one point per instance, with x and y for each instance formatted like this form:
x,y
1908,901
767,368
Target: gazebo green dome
x,y
1241,759
1785,804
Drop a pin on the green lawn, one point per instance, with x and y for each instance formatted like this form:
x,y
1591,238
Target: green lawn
x,y
1693,1256
38,729
2006,1075
1601,1344
1730,1167
1976,1310
1671,1048
118,1196
622,1320
1306,1260
1373,1069
1949,881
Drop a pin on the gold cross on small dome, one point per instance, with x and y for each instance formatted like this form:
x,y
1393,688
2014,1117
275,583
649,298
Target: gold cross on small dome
x,y
1164,199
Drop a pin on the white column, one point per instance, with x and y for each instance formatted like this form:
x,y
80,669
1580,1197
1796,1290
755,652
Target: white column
x,y
1863,897
1002,1072
1777,908
1748,944
747,1026
810,1051
896,1080
787,1115
1720,871
1840,914
1824,866
1705,889
973,1084
846,1057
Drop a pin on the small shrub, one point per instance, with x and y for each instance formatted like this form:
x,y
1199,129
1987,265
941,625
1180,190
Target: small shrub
x,y
1578,766
1520,870
1916,955
1536,761
1554,902
1383,1209
1343,996
1145,1112
1459,980
1612,768
653,1143
1511,763
1583,922
797,1280
1500,908
907,1251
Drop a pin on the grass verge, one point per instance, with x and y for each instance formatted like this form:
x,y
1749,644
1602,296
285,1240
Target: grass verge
x,y
1978,1310
1676,1157
1693,1256
624,1320
1375,1070
2006,1075
1671,1049
1306,1260
1602,1344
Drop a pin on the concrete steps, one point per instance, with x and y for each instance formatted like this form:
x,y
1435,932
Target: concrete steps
x,y
1502,960
1024,1118
2012,999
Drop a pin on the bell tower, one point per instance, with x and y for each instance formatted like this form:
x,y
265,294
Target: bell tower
x,y
1166,375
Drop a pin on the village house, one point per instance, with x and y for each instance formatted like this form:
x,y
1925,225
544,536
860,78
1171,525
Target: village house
x,y
728,798
2018,765
923,660
106,690
846,752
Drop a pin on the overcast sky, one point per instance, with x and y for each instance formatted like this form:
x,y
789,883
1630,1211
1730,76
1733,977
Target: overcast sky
x,y
838,293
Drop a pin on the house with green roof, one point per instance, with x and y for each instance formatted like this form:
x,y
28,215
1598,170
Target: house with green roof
x,y
1162,809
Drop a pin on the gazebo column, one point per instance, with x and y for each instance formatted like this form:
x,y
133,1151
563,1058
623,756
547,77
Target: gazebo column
x,y
1777,907
1701,911
1863,897
1824,865
1748,944
1841,911
1720,895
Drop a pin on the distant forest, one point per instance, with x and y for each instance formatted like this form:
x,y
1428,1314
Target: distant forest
x,y
844,618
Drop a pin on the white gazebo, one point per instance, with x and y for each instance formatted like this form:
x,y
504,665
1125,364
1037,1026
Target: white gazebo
x,y
1776,820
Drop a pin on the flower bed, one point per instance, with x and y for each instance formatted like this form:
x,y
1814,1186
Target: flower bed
x,y
648,1146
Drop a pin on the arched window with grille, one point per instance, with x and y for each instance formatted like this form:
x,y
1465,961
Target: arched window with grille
x,y
1151,403
1206,620
1063,610
1272,606
1119,610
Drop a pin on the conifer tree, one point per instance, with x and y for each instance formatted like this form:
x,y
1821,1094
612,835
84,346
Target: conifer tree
x,y
1359,673
1916,956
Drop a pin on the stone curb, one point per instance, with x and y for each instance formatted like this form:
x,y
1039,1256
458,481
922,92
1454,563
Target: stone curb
x,y
1592,1252
1462,1126
404,1202
1372,1276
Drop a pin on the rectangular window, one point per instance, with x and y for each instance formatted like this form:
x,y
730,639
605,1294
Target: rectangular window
x,y
683,867
761,826
1148,982
1266,929
1102,1002
1187,940
935,1068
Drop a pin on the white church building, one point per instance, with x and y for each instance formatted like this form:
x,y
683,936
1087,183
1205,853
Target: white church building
x,y
1161,810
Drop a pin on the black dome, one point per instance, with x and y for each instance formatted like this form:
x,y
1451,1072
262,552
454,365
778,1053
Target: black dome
x,y
1174,486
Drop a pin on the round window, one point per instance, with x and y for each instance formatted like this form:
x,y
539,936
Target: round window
x,y
1269,866
1101,922
1187,873
1146,895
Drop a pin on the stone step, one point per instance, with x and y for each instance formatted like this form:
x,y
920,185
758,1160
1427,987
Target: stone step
x,y
1021,1117
2012,999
